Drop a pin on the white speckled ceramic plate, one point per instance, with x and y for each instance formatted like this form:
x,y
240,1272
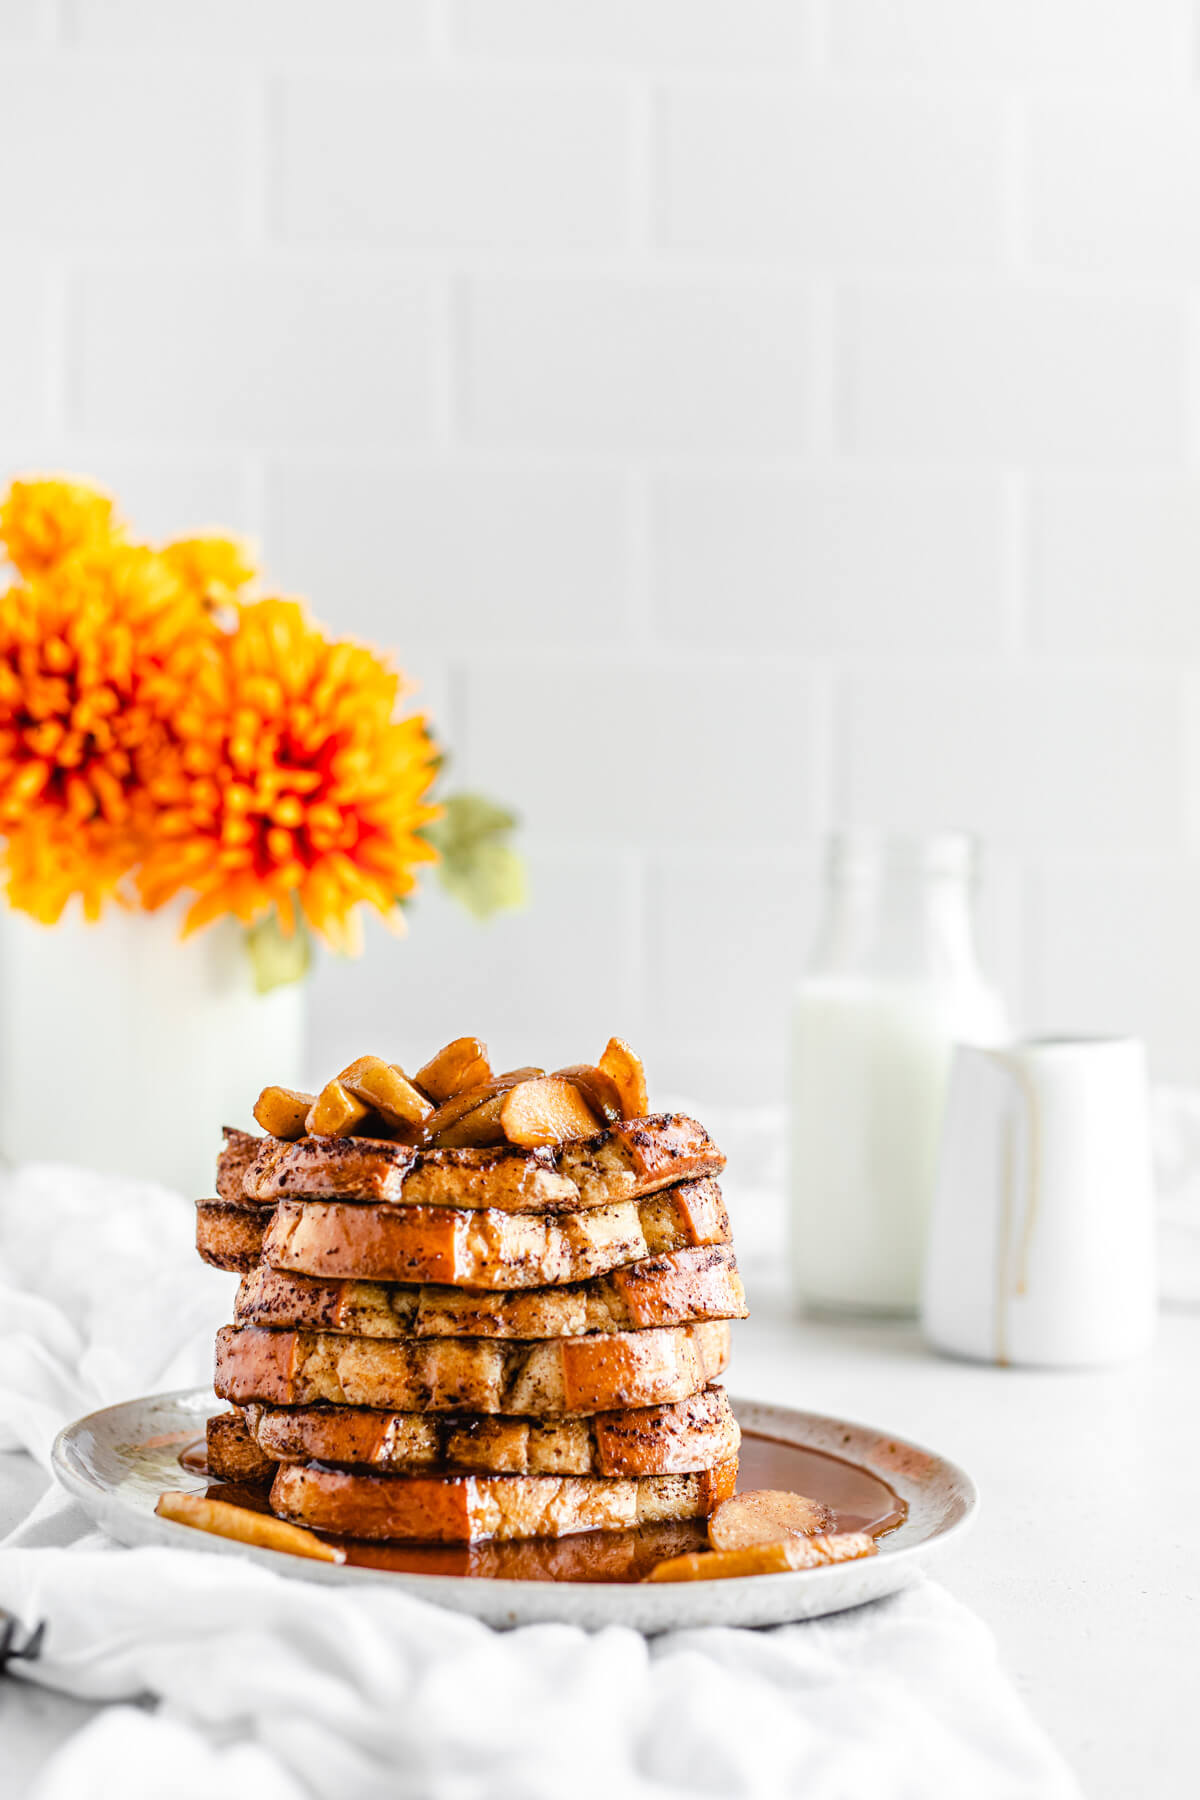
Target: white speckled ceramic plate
x,y
117,1462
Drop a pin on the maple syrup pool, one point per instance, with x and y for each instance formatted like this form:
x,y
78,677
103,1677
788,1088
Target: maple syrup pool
x,y
859,1501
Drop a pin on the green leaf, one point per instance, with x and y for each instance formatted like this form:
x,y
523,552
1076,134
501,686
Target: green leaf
x,y
275,957
490,880
477,866
468,819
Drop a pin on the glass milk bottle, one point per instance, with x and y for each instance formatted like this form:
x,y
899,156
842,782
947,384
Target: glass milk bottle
x,y
892,983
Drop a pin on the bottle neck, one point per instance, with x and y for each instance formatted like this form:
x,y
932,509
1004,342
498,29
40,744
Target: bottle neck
x,y
898,923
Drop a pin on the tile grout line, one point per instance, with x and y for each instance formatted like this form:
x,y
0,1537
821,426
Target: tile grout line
x,y
1020,555
645,165
263,109
640,609
61,382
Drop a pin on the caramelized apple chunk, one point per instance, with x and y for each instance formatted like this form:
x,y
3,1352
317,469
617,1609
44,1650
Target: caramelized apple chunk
x,y
387,1089
478,1127
335,1112
462,1064
450,1101
282,1111
765,1516
598,1089
625,1067
546,1112
766,1559
263,1530
459,1105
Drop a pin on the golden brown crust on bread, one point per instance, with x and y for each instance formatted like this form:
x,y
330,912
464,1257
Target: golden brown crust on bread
x,y
681,1438
622,1162
495,1250
701,1282
465,1509
691,1214
230,1236
241,1148
232,1453
349,1242
639,1157
697,1433
361,1168
676,1289
562,1376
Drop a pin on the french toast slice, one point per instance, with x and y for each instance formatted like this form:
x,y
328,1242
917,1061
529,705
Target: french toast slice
x,y
680,1438
435,1509
623,1162
638,1156
562,1376
677,1289
337,1239
229,1229
373,1169
238,1153
230,1233
232,1453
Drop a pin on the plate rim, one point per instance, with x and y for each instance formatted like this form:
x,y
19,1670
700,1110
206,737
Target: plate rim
x,y
79,1484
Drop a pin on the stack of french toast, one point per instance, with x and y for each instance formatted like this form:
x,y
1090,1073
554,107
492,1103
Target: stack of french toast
x,y
475,1307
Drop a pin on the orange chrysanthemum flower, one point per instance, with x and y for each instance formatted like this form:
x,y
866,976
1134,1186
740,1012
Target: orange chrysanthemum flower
x,y
47,864
95,654
214,567
163,734
43,521
292,783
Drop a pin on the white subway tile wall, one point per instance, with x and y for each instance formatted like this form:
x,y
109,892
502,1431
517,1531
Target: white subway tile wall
x,y
653,364
255,353
460,163
74,144
741,416
450,553
824,178
1010,373
22,22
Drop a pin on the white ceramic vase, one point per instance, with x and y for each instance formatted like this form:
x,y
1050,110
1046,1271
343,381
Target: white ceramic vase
x,y
125,1048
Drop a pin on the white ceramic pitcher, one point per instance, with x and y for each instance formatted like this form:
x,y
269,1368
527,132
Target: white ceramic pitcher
x,y
1041,1249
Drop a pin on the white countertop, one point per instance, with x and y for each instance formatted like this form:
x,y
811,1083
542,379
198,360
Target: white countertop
x,y
1084,1561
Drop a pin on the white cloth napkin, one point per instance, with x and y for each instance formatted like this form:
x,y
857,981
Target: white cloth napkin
x,y
282,1689
102,1298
